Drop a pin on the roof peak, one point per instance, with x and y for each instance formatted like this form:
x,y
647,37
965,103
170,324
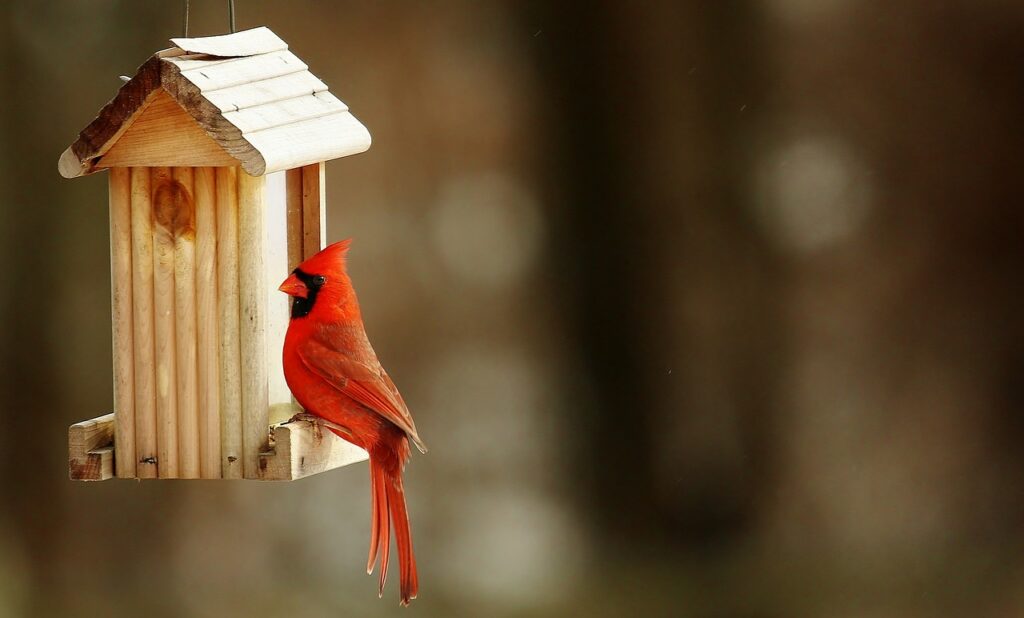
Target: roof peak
x,y
252,42
252,96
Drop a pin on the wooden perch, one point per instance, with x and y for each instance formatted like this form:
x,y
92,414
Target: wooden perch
x,y
301,448
91,449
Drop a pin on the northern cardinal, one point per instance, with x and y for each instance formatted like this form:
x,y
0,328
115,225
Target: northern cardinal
x,y
334,374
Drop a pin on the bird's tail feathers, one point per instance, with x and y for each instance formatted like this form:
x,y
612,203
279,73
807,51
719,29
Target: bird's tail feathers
x,y
408,577
388,502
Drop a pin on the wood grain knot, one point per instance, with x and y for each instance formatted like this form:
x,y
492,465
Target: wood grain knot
x,y
173,208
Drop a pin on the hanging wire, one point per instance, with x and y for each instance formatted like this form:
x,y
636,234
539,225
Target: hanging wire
x,y
231,17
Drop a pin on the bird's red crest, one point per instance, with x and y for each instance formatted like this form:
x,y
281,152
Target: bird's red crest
x,y
330,261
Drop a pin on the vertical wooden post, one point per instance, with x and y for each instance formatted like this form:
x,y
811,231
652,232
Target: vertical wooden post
x,y
293,192
145,455
276,228
207,367
120,191
314,189
165,206
252,331
185,341
228,290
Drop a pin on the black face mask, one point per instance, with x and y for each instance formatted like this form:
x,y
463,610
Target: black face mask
x,y
302,306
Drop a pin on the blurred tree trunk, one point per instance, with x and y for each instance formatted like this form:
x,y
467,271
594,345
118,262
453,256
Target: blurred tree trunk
x,y
38,341
664,278
31,421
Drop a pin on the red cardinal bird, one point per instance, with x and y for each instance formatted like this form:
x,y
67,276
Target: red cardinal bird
x,y
334,374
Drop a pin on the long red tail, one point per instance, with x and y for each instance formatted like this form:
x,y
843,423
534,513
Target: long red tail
x,y
388,502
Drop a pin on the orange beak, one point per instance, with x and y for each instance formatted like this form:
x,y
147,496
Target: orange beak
x,y
292,286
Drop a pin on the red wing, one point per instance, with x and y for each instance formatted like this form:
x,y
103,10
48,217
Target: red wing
x,y
358,375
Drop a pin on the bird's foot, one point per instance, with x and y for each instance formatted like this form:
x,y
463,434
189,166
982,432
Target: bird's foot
x,y
315,421
318,424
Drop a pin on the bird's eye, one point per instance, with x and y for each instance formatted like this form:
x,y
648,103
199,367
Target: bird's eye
x,y
319,280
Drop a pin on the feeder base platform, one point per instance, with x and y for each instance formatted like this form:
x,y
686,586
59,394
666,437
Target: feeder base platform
x,y
296,449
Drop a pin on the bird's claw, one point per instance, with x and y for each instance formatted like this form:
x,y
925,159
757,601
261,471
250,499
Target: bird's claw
x,y
312,419
319,423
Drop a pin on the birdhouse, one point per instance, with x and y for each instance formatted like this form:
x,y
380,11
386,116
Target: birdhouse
x,y
215,155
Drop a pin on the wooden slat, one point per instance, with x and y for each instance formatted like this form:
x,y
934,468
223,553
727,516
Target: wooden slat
x,y
309,141
276,226
207,367
120,194
227,292
266,91
91,449
111,122
244,43
243,70
185,338
252,331
299,450
165,135
185,62
170,52
314,188
145,454
284,112
293,189
166,197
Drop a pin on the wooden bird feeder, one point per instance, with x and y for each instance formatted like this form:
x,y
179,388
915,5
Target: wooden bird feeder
x,y
215,151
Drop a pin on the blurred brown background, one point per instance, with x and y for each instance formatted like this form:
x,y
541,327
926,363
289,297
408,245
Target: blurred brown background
x,y
704,308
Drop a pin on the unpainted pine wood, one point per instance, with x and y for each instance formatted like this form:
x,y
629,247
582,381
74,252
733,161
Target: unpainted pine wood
x,y
207,366
314,187
299,449
145,455
275,224
185,62
164,134
299,141
307,107
120,196
167,195
269,92
242,70
244,43
228,310
309,141
253,321
91,449
293,191
112,121
185,328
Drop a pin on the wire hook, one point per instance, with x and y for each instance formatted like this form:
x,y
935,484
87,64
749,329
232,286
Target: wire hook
x,y
231,15
184,25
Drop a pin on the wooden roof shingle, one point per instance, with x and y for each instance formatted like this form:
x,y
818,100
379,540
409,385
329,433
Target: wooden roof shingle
x,y
254,98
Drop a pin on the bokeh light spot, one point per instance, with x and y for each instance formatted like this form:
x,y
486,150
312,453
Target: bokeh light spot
x,y
487,228
812,193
